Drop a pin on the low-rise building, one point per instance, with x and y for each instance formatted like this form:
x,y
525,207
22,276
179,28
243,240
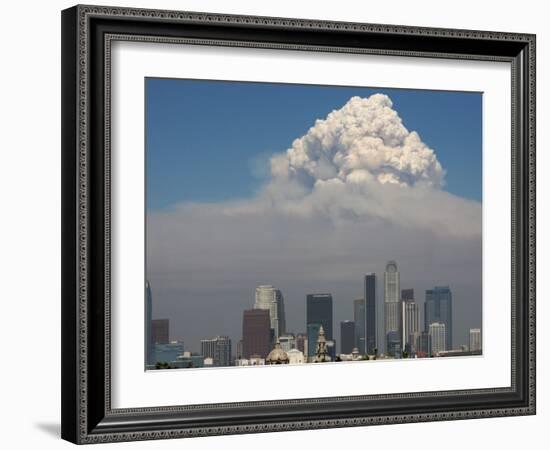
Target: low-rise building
x,y
295,356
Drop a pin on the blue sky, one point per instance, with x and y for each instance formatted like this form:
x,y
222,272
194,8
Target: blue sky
x,y
208,141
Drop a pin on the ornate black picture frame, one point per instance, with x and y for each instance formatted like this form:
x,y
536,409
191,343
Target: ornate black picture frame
x,y
87,34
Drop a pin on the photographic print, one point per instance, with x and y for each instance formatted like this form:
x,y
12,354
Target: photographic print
x,y
244,195
298,224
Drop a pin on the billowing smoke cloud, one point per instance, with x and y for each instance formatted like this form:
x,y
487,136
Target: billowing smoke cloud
x,y
356,190
361,163
364,140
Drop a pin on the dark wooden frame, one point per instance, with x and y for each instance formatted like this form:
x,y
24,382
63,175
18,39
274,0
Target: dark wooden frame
x,y
87,32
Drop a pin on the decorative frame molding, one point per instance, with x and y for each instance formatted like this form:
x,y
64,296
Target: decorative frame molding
x,y
87,34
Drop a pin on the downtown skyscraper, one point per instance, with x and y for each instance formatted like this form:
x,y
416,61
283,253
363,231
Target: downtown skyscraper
x,y
256,333
359,317
160,331
392,306
438,307
423,344
148,324
437,332
219,349
271,299
347,336
370,312
319,311
410,324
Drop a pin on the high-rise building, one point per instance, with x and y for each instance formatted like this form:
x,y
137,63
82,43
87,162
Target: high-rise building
x,y
410,326
219,349
347,336
370,312
301,339
407,294
423,344
438,335
392,310
208,348
391,283
393,344
149,351
319,311
359,317
312,335
439,308
256,333
271,299
160,331
475,339
239,354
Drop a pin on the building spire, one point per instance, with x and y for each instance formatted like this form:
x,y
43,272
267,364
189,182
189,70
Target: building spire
x,y
321,353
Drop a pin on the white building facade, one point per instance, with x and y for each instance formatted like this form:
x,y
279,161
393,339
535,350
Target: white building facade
x,y
438,337
392,310
271,299
295,356
475,339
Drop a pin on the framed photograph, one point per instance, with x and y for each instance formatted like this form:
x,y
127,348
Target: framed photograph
x,y
283,224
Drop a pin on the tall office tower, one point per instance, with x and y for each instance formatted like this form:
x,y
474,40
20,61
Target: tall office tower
x,y
439,308
423,344
407,294
219,349
208,348
312,336
160,331
222,356
271,299
391,283
475,339
287,342
392,310
347,336
438,335
410,327
393,344
148,324
370,311
319,310
359,317
380,325
239,354
300,342
256,333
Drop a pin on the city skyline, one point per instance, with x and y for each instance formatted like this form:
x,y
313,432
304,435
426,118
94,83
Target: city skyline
x,y
464,335
339,186
417,335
